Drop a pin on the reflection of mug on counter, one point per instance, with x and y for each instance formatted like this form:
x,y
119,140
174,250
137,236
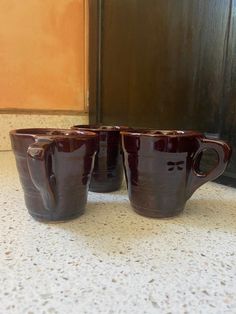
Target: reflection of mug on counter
x,y
162,168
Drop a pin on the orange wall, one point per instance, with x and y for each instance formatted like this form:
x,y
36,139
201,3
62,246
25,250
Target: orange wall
x,y
42,54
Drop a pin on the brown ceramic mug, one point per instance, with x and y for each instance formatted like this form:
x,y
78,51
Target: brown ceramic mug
x,y
55,168
162,168
107,174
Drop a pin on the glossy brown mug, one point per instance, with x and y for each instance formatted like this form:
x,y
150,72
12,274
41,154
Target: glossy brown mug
x,y
55,168
162,168
107,174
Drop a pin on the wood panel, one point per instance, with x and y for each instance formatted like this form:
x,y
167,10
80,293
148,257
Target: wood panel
x,y
228,108
167,64
42,54
162,62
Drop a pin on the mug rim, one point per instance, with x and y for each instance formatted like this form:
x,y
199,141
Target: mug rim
x,y
162,133
35,132
97,128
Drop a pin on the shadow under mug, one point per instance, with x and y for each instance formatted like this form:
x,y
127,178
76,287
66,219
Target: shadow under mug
x,y
54,167
107,174
162,168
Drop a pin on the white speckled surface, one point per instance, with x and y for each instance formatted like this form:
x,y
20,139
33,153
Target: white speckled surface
x,y
111,260
19,121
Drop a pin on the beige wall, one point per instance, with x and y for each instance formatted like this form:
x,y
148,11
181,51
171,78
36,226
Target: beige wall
x,y
42,54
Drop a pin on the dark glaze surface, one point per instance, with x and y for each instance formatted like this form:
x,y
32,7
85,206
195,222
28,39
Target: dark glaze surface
x,y
107,175
161,168
56,170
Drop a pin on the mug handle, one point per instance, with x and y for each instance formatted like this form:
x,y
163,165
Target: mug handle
x,y
38,155
223,151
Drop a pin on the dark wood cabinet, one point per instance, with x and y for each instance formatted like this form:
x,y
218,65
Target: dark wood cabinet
x,y
165,64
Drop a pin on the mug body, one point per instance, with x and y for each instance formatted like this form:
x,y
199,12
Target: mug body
x,y
161,170
107,174
68,166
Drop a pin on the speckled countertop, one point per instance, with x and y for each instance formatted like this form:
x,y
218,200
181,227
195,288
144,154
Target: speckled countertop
x,y
111,260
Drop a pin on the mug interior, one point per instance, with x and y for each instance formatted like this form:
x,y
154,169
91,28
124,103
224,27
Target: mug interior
x,y
93,127
153,132
52,132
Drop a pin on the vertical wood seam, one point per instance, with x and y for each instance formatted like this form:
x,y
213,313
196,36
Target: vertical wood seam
x,y
225,70
99,60
86,47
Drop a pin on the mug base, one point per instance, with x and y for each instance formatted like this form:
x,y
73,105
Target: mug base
x,y
55,220
104,189
147,212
